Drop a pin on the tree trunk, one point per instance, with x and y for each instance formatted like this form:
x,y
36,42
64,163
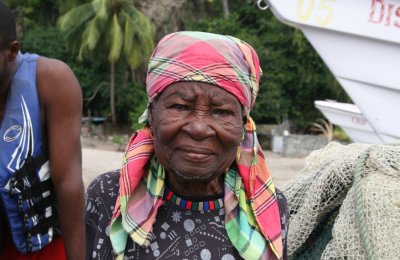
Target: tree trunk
x,y
166,15
112,94
226,8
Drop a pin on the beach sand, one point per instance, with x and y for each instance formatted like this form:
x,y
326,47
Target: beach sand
x,y
97,161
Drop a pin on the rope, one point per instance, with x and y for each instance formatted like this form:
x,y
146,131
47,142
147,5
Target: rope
x,y
360,214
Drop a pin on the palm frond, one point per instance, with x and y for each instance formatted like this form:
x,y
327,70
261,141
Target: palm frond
x,y
323,126
146,32
92,34
129,31
102,9
74,39
76,17
116,38
139,36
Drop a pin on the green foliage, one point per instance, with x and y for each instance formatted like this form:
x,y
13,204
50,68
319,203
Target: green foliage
x,y
99,30
118,139
50,42
108,29
137,107
45,41
32,13
340,135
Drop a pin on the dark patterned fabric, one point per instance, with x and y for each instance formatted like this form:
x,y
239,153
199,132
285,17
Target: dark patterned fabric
x,y
179,233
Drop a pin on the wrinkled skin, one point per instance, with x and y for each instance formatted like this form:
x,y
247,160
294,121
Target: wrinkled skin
x,y
197,129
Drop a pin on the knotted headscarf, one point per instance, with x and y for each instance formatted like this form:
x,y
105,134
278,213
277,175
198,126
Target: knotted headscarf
x,y
252,218
221,60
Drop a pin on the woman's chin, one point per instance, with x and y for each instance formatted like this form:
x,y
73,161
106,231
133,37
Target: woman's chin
x,y
194,174
195,177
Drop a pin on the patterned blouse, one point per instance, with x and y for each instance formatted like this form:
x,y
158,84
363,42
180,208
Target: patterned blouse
x,y
180,232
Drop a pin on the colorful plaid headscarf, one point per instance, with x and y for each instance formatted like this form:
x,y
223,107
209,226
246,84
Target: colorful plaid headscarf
x,y
222,60
252,218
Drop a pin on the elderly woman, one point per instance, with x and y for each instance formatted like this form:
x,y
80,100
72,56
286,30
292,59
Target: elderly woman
x,y
194,184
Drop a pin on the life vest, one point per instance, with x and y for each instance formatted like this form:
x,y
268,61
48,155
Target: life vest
x,y
26,190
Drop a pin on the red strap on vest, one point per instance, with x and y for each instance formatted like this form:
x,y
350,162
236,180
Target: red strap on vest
x,y
54,250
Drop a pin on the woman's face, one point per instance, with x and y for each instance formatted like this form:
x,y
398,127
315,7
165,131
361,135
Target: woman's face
x,y
197,129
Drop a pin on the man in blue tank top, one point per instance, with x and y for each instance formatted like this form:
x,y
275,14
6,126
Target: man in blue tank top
x,y
41,187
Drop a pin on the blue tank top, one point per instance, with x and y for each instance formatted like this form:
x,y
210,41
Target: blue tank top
x,y
21,138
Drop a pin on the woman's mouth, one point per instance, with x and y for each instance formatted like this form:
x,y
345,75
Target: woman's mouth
x,y
195,154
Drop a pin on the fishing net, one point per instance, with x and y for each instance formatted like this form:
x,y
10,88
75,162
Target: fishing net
x,y
345,204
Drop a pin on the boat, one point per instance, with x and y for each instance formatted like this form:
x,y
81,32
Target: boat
x,y
350,118
359,41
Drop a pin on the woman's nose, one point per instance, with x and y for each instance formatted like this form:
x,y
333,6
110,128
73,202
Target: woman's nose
x,y
199,127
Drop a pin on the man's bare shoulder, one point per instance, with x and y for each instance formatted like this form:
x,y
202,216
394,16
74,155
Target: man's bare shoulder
x,y
52,68
56,81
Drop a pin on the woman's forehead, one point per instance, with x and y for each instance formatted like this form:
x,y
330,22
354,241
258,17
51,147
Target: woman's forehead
x,y
193,89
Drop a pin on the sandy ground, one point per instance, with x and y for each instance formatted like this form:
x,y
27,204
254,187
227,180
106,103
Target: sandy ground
x,y
97,161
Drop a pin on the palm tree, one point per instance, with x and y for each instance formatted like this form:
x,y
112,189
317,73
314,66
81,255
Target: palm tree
x,y
109,29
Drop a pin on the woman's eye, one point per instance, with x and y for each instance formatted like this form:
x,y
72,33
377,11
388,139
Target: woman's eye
x,y
222,112
179,107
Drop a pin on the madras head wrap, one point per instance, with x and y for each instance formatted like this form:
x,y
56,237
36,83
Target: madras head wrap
x,y
221,60
252,218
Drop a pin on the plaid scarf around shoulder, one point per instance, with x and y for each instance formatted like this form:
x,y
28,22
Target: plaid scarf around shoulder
x,y
252,218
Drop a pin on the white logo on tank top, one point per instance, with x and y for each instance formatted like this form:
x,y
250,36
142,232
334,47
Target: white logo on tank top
x,y
12,133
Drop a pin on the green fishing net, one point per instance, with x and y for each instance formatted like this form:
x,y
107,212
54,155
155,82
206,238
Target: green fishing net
x,y
345,204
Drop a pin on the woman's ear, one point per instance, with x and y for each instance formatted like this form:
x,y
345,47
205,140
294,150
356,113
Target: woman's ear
x,y
244,118
150,114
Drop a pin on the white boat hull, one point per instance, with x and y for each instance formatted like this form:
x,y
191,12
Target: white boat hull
x,y
350,119
359,41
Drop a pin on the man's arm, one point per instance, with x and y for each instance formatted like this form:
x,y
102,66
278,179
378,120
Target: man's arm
x,y
61,102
